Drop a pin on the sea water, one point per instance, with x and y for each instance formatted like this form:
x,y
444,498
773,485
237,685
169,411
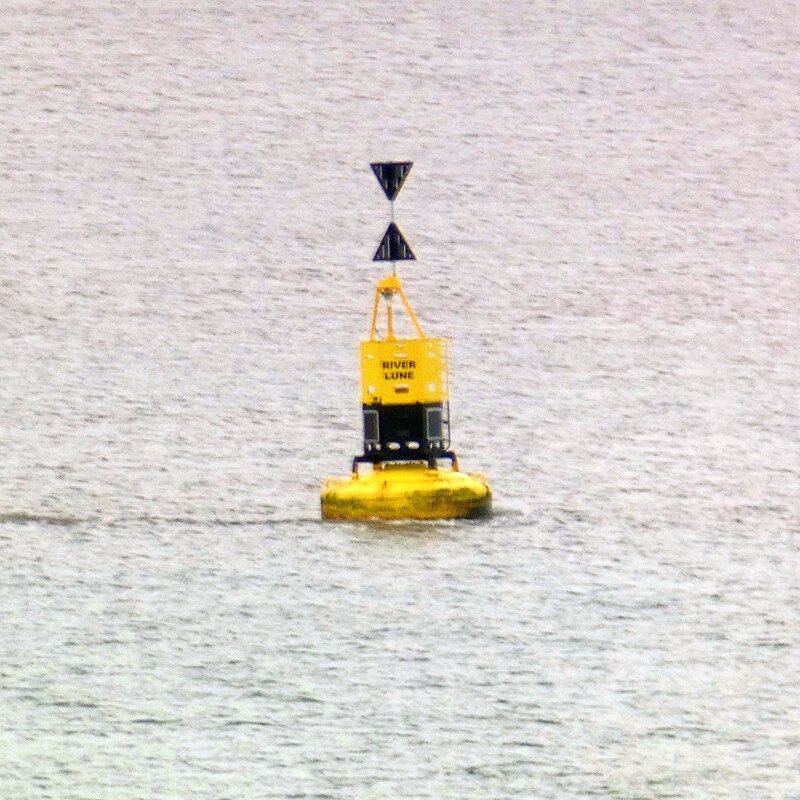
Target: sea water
x,y
604,207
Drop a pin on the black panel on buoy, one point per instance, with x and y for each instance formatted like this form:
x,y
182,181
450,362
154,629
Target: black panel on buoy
x,y
392,175
393,246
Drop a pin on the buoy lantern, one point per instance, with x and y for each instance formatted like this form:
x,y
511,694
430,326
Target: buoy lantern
x,y
406,411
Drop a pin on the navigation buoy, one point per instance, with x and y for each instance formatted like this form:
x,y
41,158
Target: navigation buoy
x,y
406,410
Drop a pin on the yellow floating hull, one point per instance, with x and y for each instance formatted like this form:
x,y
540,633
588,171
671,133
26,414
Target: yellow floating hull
x,y
406,491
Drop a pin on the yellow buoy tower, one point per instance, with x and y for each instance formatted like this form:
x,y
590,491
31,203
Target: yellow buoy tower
x,y
406,411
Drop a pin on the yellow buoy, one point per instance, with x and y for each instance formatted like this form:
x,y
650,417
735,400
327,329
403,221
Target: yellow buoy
x,y
406,412
406,491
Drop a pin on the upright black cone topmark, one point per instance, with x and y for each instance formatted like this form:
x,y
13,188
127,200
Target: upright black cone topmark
x,y
405,410
393,246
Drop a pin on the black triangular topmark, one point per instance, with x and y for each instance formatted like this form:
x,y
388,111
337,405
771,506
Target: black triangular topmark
x,y
391,175
393,246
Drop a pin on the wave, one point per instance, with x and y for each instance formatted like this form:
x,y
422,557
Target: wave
x,y
68,520
272,516
25,517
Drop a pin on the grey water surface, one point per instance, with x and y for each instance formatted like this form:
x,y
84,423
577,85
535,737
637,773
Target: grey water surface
x,y
605,210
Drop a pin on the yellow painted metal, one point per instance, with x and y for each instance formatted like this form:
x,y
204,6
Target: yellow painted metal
x,y
385,290
399,371
406,491
404,371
